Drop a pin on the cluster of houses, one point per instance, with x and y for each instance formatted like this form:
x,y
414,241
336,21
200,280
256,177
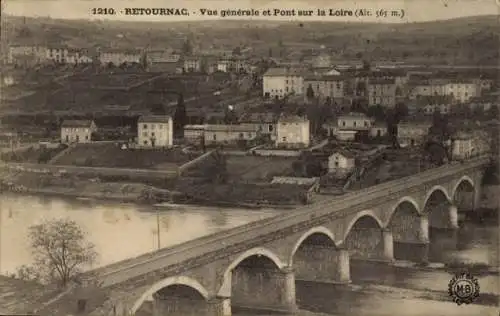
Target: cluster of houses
x,y
281,132
385,87
166,60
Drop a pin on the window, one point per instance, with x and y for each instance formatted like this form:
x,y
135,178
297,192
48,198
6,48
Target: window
x,y
241,135
338,85
366,123
336,163
215,137
152,134
354,124
284,139
270,127
145,134
152,126
145,126
145,142
160,126
86,137
343,123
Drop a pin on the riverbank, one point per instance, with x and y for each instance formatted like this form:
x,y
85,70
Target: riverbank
x,y
180,191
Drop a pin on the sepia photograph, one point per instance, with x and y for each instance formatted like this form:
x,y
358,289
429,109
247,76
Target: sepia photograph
x,y
249,158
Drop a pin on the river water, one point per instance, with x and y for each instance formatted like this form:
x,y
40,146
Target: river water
x,y
120,231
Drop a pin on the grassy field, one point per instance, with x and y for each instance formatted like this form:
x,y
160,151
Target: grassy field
x,y
111,155
255,168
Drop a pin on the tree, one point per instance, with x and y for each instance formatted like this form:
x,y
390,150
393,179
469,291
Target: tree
x,y
400,111
310,92
60,251
180,116
493,111
377,112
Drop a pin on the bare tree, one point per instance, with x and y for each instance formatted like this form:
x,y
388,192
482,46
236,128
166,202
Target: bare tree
x,y
60,250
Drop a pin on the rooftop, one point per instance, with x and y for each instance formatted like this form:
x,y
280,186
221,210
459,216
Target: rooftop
x,y
154,119
230,128
77,123
292,118
282,72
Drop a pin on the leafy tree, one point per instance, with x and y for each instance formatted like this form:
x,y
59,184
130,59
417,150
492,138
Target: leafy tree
x,y
180,116
310,92
400,111
187,47
377,112
60,251
493,111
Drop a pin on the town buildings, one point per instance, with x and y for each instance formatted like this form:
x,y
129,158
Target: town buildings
x,y
326,86
155,131
120,56
192,64
382,92
341,163
412,133
462,146
163,61
293,132
229,134
280,82
77,131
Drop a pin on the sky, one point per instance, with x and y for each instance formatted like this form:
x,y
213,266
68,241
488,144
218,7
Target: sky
x,y
414,10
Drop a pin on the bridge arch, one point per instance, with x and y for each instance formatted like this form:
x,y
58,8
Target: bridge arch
x,y
405,199
247,254
178,280
315,230
365,213
432,191
463,179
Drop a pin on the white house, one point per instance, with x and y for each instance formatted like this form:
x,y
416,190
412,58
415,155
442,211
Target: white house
x,y
120,56
462,147
354,121
155,131
341,163
280,82
378,130
77,131
292,131
194,133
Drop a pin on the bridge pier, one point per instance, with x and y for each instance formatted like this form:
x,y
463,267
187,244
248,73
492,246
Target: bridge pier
x,y
264,289
417,249
326,264
388,244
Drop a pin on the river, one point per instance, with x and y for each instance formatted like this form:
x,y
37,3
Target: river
x,y
121,231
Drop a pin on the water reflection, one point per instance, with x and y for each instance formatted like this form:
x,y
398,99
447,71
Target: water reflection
x,y
119,231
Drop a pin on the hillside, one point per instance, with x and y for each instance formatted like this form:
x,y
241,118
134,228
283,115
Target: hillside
x,y
450,41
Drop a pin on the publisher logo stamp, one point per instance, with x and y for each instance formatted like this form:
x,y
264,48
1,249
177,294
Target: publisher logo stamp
x,y
463,288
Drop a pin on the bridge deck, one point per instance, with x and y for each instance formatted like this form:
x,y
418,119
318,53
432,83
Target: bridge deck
x,y
338,207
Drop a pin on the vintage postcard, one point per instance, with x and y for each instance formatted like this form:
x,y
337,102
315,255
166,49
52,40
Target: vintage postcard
x,y
249,157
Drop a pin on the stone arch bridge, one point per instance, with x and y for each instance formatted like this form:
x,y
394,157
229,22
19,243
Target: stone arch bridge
x,y
256,265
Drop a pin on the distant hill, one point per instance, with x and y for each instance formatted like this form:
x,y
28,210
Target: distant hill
x,y
471,40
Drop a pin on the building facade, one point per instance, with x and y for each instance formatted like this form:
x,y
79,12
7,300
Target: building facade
x,y
412,133
326,86
228,134
280,82
293,132
120,56
341,163
155,131
382,92
77,131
